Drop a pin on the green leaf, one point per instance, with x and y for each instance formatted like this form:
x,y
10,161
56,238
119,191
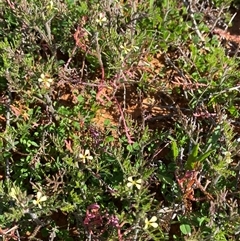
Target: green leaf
x,y
107,122
185,229
130,148
201,220
67,208
80,99
32,143
233,111
151,4
175,150
136,146
133,147
204,156
109,139
166,179
192,158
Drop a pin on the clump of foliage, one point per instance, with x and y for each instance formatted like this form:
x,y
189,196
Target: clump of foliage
x,y
119,120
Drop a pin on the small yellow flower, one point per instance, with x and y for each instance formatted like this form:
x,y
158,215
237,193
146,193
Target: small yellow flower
x,y
125,48
132,183
85,156
50,5
45,80
135,48
101,19
151,222
40,198
228,158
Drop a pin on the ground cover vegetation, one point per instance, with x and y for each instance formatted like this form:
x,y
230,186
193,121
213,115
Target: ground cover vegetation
x,y
119,120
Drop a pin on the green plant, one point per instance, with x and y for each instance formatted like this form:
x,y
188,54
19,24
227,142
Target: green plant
x,y
119,120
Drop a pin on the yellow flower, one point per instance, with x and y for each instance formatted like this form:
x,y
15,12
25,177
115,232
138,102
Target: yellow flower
x,y
228,158
125,49
40,198
45,80
50,5
135,48
85,156
151,222
132,183
101,19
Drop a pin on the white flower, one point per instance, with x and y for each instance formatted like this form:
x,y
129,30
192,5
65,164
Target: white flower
x,y
45,80
101,19
151,222
40,198
132,183
85,156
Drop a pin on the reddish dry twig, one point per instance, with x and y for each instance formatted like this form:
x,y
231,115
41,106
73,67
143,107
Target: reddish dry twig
x,y
187,184
9,233
130,141
81,42
187,85
101,84
204,115
227,35
11,5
